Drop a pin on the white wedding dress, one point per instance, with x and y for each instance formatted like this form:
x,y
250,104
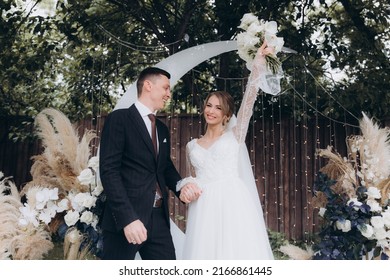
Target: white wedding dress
x,y
226,222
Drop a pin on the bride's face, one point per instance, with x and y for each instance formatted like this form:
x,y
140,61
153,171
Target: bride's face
x,y
213,112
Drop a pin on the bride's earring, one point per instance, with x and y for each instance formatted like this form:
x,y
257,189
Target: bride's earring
x,y
225,121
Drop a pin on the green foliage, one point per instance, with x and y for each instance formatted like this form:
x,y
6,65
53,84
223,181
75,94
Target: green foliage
x,y
277,239
82,57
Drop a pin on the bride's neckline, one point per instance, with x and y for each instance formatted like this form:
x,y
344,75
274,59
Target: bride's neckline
x,y
208,144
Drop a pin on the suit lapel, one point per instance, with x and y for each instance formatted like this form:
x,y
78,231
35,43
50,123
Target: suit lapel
x,y
141,127
161,137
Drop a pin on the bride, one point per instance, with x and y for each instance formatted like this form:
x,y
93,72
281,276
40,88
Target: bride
x,y
226,221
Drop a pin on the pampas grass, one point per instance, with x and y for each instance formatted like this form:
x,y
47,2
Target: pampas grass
x,y
17,242
72,243
384,188
9,216
336,166
296,253
340,170
65,154
368,163
32,243
376,148
359,176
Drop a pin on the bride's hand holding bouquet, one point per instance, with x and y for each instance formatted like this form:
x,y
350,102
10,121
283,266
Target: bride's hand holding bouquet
x,y
259,38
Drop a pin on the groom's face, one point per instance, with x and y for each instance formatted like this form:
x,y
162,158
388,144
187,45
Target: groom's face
x,y
160,91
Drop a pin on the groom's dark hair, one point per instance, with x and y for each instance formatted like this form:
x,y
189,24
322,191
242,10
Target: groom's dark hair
x,y
149,74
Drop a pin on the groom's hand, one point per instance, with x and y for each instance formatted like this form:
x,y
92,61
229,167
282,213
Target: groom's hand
x,y
135,232
190,192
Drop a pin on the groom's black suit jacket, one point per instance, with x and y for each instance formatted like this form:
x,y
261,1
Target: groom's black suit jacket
x,y
129,169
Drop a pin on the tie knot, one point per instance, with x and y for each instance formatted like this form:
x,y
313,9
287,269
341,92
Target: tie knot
x,y
152,117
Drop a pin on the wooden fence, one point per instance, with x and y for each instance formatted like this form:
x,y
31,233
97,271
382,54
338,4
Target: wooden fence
x,y
282,153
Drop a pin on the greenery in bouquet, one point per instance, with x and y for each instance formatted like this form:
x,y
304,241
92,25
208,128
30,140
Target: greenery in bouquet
x,y
352,195
255,33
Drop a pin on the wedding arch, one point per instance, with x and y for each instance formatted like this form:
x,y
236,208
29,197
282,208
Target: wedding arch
x,y
180,63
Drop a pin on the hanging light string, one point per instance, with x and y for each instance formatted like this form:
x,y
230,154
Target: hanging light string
x,y
281,169
328,93
273,159
221,78
314,107
306,158
317,111
317,145
295,168
148,49
145,49
265,147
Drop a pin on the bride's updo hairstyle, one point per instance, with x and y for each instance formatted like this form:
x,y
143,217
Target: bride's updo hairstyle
x,y
226,101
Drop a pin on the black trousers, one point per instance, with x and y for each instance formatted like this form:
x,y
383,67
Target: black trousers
x,y
158,246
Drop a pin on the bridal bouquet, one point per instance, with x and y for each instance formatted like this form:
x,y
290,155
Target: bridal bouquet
x,y
256,33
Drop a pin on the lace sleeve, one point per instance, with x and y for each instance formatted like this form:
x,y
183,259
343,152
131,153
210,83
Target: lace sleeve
x,y
189,169
246,109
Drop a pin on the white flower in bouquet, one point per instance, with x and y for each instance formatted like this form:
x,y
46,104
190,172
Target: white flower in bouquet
x,y
377,222
94,163
355,203
247,21
322,211
43,196
255,33
373,193
80,201
71,218
86,177
95,221
344,226
374,205
384,243
28,215
86,217
46,215
89,201
63,205
367,231
90,176
386,217
48,212
380,234
98,189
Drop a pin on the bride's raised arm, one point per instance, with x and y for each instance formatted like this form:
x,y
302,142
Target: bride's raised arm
x,y
246,109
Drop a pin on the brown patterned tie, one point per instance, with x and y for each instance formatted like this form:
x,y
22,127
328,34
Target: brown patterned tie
x,y
154,140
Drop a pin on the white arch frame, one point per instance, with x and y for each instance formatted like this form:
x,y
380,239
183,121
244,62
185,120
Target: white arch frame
x,y
179,64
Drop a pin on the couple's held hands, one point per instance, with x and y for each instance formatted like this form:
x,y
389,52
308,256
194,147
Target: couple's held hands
x,y
190,192
135,232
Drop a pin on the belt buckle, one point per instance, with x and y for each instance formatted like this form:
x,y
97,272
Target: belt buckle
x,y
157,203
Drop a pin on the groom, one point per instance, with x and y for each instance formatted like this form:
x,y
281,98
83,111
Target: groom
x,y
135,174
